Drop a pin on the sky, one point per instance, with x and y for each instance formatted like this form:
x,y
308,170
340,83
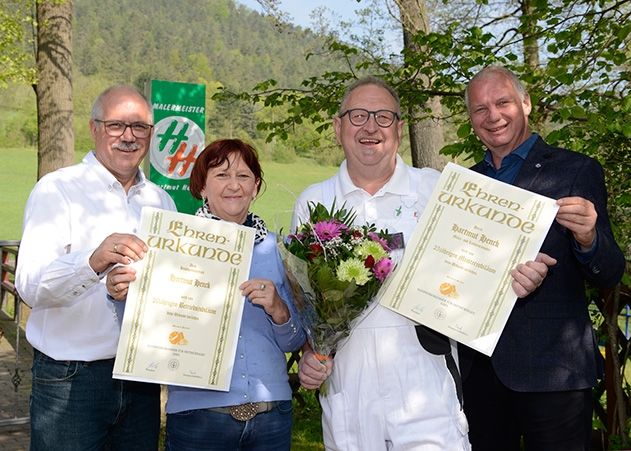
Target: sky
x,y
299,10
338,10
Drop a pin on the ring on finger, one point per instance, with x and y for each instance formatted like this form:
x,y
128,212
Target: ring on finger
x,y
262,286
116,248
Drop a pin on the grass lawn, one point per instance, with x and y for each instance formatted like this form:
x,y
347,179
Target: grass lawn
x,y
18,173
307,427
284,182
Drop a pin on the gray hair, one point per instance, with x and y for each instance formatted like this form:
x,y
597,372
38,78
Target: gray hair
x,y
496,69
97,107
370,80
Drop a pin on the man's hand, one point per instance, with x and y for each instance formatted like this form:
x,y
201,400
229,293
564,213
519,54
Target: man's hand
x,y
578,215
311,371
528,276
122,248
118,280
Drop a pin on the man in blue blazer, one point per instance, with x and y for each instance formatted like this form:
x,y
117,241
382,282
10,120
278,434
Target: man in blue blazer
x,y
537,384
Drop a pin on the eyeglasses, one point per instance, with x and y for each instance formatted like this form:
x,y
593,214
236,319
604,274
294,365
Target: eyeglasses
x,y
359,116
117,128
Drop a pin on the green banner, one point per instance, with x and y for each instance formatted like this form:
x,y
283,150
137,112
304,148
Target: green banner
x,y
178,138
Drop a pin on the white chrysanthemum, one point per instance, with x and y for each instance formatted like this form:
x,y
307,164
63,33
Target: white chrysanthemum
x,y
353,269
369,247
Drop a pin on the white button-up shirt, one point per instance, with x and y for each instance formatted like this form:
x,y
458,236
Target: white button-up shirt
x,y
68,214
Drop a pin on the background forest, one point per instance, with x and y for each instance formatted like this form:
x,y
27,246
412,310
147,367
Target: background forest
x,y
215,42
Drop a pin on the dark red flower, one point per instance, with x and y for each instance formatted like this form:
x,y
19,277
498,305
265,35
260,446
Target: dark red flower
x,y
369,262
315,250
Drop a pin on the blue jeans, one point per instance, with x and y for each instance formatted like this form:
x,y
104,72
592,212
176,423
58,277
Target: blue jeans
x,y
203,429
79,406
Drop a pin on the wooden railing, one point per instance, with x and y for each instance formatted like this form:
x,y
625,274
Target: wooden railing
x,y
9,251
11,306
615,413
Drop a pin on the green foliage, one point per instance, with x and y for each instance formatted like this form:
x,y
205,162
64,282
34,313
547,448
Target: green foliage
x,y
580,92
283,154
16,64
318,213
29,130
214,42
190,41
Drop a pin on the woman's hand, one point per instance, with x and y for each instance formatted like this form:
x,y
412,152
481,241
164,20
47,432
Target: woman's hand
x,y
263,292
118,280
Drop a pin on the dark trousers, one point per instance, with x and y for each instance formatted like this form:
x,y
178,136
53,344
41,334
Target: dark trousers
x,y
499,418
78,406
208,430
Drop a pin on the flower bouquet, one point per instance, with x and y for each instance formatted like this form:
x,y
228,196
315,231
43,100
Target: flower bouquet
x,y
335,269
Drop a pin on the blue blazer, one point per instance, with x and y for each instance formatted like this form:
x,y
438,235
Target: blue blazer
x,y
548,343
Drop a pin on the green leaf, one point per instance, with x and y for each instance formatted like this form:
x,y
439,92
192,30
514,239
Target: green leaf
x,y
464,130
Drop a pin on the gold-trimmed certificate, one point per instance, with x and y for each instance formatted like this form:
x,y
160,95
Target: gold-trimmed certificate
x,y
183,311
455,273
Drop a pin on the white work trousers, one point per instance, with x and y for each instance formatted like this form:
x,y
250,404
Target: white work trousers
x,y
387,393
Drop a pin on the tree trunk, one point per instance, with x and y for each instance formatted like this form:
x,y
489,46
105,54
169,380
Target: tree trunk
x,y
531,46
54,85
426,135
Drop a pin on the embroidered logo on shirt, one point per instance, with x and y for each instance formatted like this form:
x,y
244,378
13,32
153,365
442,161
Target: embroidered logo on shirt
x,y
397,211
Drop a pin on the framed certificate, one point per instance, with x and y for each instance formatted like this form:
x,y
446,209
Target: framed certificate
x,y
183,311
455,274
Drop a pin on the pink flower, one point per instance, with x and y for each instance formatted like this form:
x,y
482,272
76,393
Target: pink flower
x,y
373,236
382,269
327,230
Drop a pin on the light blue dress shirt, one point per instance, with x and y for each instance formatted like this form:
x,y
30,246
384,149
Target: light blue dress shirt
x,y
259,372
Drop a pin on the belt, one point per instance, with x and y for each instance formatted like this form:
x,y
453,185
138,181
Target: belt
x,y
245,412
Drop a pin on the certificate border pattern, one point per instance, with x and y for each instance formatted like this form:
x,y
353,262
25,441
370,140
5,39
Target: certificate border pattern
x,y
224,328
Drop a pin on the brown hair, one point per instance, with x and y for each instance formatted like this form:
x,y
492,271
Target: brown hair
x,y
217,153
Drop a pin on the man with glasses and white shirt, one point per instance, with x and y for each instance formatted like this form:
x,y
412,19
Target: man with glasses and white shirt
x,y
79,222
392,386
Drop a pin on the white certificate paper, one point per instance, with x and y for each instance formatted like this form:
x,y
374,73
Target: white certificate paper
x,y
183,311
455,274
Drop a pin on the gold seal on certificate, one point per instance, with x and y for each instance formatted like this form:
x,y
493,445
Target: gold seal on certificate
x,y
455,274
183,311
